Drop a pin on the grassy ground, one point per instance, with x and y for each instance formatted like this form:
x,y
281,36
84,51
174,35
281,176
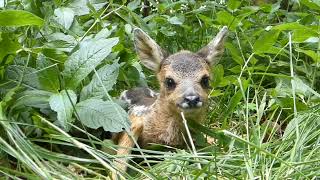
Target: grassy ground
x,y
64,63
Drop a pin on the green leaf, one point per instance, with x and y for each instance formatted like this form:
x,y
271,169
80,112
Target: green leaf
x,y
314,56
48,74
61,42
8,44
133,4
64,16
266,41
80,7
101,84
236,98
61,104
312,4
33,98
235,53
84,60
233,4
290,26
225,18
19,18
301,35
29,75
96,113
176,20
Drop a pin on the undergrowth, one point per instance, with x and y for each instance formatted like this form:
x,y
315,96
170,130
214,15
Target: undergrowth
x,y
64,63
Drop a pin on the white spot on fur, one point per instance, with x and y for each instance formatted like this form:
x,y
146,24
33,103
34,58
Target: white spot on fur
x,y
153,93
199,104
124,97
184,105
139,110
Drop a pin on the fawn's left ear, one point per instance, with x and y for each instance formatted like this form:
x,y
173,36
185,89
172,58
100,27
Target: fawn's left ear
x,y
215,48
149,52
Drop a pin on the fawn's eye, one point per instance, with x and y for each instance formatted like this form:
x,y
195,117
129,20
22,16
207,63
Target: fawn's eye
x,y
205,82
170,84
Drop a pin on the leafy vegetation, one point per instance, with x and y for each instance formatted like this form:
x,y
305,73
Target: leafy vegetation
x,y
64,63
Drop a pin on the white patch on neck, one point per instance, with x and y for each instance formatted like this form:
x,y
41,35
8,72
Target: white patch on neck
x,y
139,110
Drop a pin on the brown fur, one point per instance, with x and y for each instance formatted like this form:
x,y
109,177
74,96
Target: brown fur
x,y
156,117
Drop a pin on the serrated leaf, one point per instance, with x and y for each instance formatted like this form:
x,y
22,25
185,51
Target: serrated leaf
x,y
30,76
19,18
48,74
99,85
61,104
95,113
266,41
64,16
33,98
84,60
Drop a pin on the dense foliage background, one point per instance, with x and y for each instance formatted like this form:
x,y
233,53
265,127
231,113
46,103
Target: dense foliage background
x,y
63,63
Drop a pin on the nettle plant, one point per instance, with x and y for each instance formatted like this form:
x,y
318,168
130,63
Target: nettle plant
x,y
63,66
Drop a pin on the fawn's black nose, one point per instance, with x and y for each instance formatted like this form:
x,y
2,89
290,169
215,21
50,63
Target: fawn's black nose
x,y
193,101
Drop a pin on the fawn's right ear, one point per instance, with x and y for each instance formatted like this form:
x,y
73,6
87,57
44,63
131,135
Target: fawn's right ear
x,y
149,52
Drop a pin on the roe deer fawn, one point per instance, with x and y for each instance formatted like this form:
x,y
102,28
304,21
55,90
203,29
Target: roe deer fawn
x,y
184,86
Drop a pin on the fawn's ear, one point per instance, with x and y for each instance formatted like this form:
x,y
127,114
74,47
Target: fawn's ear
x,y
215,48
149,52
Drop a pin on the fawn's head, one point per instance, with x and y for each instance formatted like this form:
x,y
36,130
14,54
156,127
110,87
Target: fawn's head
x,y
184,76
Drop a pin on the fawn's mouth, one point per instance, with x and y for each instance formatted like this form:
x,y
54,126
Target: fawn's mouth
x,y
187,106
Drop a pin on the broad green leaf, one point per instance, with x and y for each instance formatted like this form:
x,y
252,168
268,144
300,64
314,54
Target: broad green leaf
x,y
61,104
48,74
33,98
134,4
266,41
176,20
227,19
301,35
8,44
101,82
61,42
218,73
233,4
84,60
19,18
315,56
96,113
80,6
28,75
235,53
64,16
291,26
312,4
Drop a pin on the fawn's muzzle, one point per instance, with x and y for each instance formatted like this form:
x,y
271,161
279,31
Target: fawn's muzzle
x,y
191,101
